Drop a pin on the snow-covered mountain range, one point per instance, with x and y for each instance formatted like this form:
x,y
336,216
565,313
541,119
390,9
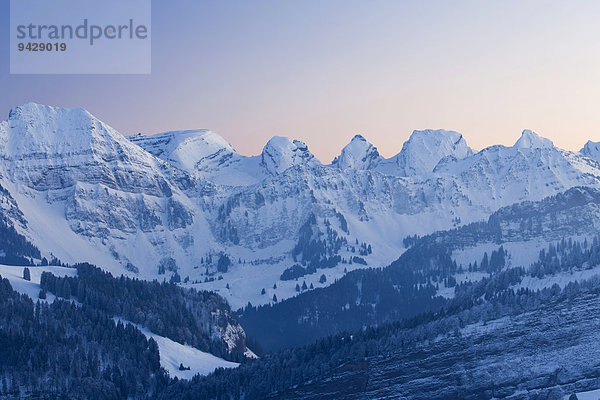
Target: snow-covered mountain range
x,y
185,204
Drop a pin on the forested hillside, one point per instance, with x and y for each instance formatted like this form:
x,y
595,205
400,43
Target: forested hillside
x,y
61,349
200,319
117,361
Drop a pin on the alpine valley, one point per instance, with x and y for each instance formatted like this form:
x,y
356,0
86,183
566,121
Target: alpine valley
x,y
415,276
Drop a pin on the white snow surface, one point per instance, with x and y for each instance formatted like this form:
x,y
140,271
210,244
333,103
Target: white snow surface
x,y
520,254
561,279
589,395
206,154
32,288
173,354
418,157
189,150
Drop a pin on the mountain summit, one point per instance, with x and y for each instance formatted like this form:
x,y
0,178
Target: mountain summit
x,y
281,153
592,150
424,150
190,150
358,154
531,140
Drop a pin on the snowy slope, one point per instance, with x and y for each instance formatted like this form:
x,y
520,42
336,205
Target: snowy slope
x,y
587,395
48,148
207,155
173,354
418,157
88,192
32,288
188,150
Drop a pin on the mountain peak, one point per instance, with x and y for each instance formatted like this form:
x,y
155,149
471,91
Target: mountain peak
x,y
358,154
592,150
531,140
54,148
56,129
358,137
439,137
281,153
39,112
189,150
425,149
31,112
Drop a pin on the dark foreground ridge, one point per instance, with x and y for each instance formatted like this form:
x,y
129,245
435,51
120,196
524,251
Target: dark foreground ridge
x,y
494,339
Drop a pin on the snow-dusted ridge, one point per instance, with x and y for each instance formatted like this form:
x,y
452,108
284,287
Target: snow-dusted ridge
x,y
188,150
169,202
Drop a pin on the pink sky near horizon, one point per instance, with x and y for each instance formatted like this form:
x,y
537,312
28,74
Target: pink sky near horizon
x,y
323,71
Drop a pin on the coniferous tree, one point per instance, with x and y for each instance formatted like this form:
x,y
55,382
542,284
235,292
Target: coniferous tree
x,y
485,262
66,290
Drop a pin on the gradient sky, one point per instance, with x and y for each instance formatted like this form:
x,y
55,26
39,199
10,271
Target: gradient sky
x,y
322,70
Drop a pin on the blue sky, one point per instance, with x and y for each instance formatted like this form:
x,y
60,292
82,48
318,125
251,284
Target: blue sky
x,y
322,71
